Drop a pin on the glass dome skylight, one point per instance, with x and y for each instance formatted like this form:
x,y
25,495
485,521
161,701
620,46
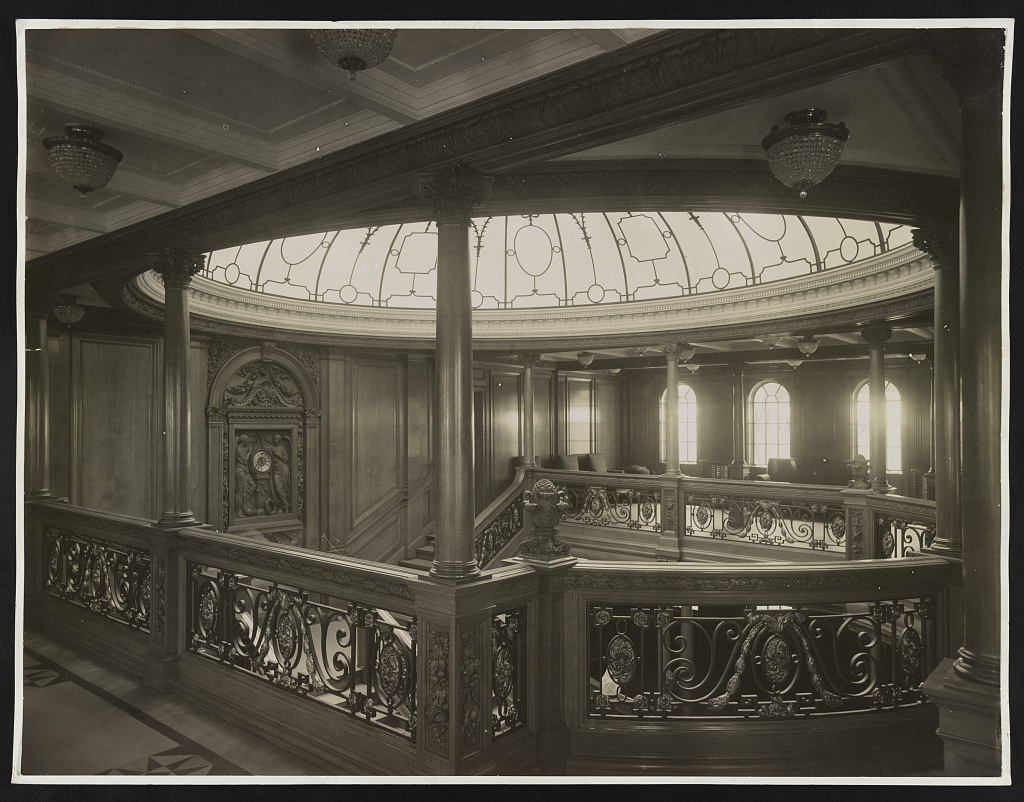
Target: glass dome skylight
x,y
555,260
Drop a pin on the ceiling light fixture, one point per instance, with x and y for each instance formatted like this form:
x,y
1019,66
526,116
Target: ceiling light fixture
x,y
80,159
807,345
686,351
804,154
771,340
585,358
692,368
918,358
67,310
794,363
354,49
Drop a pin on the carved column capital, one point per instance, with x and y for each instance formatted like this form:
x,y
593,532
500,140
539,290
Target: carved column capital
x,y
452,192
530,358
737,364
672,349
176,268
876,336
941,242
971,58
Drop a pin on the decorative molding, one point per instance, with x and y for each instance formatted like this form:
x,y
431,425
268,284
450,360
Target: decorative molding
x,y
73,519
853,580
516,586
219,352
856,533
668,499
437,687
307,358
469,683
311,569
972,59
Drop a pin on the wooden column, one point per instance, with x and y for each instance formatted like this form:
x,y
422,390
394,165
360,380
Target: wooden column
x,y
738,469
37,398
451,194
176,268
529,446
671,353
968,691
876,337
940,241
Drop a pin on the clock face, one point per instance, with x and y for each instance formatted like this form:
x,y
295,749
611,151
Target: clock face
x,y
261,461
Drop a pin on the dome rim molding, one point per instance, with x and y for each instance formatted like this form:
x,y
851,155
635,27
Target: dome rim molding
x,y
881,280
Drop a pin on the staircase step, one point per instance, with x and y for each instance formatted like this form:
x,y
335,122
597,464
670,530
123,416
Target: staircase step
x,y
426,552
417,564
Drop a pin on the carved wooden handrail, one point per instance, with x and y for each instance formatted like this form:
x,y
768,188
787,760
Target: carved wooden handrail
x,y
498,526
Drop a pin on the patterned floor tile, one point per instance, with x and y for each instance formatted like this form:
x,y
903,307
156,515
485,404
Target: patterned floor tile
x,y
41,677
176,761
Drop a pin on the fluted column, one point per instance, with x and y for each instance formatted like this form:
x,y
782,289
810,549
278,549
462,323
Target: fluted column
x,y
940,242
37,398
451,194
739,408
876,337
671,353
176,268
529,447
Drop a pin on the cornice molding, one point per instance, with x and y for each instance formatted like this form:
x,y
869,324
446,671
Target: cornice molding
x,y
634,89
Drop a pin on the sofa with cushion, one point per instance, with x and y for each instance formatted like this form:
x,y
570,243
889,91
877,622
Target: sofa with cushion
x,y
780,469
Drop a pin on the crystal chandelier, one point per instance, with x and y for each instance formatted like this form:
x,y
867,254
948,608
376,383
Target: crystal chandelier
x,y
804,154
807,345
80,159
354,49
67,310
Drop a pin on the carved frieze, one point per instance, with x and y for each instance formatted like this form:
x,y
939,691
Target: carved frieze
x,y
469,685
262,384
437,687
219,352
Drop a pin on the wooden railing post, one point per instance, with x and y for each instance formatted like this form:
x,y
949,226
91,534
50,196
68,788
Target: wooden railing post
x,y
673,520
167,620
860,525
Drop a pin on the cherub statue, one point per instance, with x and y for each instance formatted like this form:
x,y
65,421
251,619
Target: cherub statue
x,y
859,468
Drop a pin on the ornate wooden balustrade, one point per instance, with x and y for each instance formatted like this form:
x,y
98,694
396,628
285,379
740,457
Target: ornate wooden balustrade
x,y
370,668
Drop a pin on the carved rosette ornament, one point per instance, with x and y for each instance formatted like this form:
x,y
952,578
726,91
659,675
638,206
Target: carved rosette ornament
x,y
452,192
941,242
546,505
176,268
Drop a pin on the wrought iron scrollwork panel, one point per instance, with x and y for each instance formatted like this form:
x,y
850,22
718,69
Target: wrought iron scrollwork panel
x,y
766,521
358,659
624,508
105,577
901,537
672,661
499,532
508,667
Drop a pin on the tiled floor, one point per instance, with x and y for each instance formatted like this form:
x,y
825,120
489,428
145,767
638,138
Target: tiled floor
x,y
83,717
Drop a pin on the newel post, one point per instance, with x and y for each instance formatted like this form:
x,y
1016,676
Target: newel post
x,y
860,524
167,611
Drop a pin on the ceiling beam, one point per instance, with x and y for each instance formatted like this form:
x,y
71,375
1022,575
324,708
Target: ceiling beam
x,y
373,91
65,214
115,110
640,87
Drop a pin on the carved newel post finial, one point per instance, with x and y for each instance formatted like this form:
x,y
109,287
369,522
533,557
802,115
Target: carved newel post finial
x,y
546,505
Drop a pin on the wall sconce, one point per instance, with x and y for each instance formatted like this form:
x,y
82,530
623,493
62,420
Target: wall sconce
x,y
67,310
585,358
807,345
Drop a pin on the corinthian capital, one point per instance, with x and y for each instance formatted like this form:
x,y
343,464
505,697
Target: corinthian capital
x,y
971,58
940,242
452,192
176,268
876,336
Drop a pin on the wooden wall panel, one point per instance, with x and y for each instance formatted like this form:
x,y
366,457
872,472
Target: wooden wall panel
x,y
544,417
606,420
578,416
59,358
119,450
505,418
714,412
381,543
815,404
421,394
375,428
199,430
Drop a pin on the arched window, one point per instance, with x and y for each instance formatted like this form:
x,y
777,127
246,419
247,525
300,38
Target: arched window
x,y
893,428
687,424
768,423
